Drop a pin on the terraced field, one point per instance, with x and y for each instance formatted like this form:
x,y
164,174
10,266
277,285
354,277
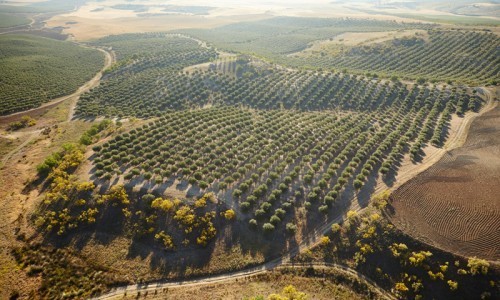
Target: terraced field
x,y
451,205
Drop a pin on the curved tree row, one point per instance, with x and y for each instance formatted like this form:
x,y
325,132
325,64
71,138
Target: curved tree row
x,y
464,56
36,70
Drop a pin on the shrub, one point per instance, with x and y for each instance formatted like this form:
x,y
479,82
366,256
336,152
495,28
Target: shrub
x,y
358,184
237,193
245,206
291,228
275,220
335,227
229,214
453,285
268,227
478,266
203,184
323,209
253,223
329,200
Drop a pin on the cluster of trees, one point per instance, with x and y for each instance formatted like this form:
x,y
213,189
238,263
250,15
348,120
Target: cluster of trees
x,y
36,70
70,155
64,192
464,56
26,121
69,204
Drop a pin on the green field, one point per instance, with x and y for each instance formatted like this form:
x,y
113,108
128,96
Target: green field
x,y
41,7
36,70
9,20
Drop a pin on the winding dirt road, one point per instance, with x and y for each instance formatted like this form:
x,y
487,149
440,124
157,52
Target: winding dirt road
x,y
131,289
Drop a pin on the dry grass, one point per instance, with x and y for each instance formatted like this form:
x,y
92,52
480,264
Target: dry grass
x,y
16,204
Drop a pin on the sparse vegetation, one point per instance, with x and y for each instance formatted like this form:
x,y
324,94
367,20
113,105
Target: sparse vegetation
x,y
26,121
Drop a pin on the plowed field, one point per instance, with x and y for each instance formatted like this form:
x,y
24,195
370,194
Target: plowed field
x,y
455,204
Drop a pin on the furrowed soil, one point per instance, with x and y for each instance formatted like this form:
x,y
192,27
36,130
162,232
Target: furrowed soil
x,y
455,204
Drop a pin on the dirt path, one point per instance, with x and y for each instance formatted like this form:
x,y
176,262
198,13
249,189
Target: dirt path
x,y
109,60
151,287
30,137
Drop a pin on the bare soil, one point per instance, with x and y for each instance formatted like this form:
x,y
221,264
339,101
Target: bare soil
x,y
455,204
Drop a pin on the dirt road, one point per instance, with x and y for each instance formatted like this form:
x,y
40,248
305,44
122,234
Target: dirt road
x,y
131,289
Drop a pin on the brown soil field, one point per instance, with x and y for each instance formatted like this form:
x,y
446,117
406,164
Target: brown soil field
x,y
455,204
81,28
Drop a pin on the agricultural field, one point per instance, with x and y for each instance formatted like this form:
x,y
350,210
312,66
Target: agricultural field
x,y
464,222
7,20
280,155
36,70
279,36
263,160
463,56
259,152
470,57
